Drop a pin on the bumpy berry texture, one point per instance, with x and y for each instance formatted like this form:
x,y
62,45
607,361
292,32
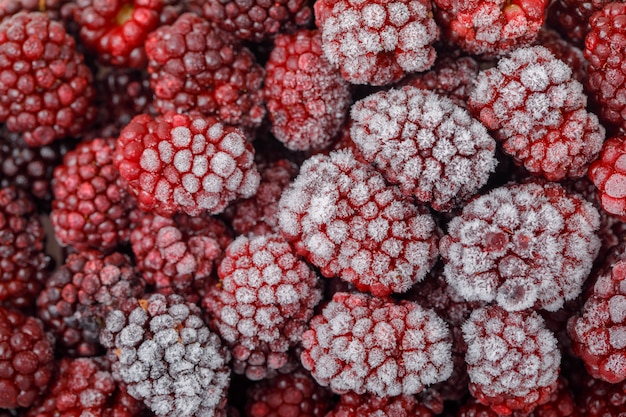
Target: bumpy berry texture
x,y
377,42
537,110
605,49
194,66
598,332
46,89
528,245
257,20
354,405
307,98
85,387
51,7
78,296
178,254
292,395
168,358
490,27
26,359
565,51
372,345
608,174
91,205
342,217
601,399
185,163
431,148
262,303
512,359
571,17
24,264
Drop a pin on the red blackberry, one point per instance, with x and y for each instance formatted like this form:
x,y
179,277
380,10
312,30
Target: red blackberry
x,y
512,359
185,163
571,17
431,148
178,254
354,405
26,359
537,110
565,51
528,245
91,204
46,89
372,345
605,49
79,294
167,357
342,217
84,387
50,7
608,174
257,20
601,399
377,42
262,303
292,395
23,262
194,66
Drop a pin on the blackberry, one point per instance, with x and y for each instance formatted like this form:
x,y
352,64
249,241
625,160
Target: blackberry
x,y
353,405
608,174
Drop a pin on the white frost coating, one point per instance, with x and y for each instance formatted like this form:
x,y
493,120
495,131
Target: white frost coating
x,y
181,136
150,160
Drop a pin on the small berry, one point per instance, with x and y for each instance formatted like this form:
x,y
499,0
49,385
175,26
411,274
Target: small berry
x,y
354,405
608,174
373,345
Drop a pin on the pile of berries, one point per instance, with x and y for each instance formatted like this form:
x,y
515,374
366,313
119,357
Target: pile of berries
x,y
313,208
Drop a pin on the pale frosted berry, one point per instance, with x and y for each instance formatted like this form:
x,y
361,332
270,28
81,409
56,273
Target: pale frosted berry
x,y
528,245
366,344
262,303
565,51
608,174
431,148
185,163
307,98
167,357
343,218
377,42
512,359
536,109
354,405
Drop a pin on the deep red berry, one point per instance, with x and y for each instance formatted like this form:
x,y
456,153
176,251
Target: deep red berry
x,y
601,399
571,17
431,148
46,89
565,51
50,7
185,163
354,405
343,218
377,42
537,110
307,98
373,345
26,359
608,174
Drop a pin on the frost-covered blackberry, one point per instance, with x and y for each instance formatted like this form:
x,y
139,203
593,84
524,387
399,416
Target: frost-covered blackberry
x,y
522,246
343,218
167,357
431,148
373,345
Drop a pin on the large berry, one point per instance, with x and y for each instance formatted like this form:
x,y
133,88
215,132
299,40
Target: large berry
x,y
185,163
565,51
373,345
537,110
608,174
571,17
343,218
46,89
523,246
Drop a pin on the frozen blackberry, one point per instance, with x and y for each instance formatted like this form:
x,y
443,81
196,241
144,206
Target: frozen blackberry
x,y
91,205
528,245
262,303
194,66
608,174
168,358
178,254
24,264
50,7
354,405
431,148
601,399
341,216
46,89
257,20
565,51
26,359
307,98
372,345
377,42
512,359
537,110
185,163
571,17
78,296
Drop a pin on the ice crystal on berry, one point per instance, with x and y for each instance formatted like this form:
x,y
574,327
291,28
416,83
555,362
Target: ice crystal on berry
x,y
608,174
